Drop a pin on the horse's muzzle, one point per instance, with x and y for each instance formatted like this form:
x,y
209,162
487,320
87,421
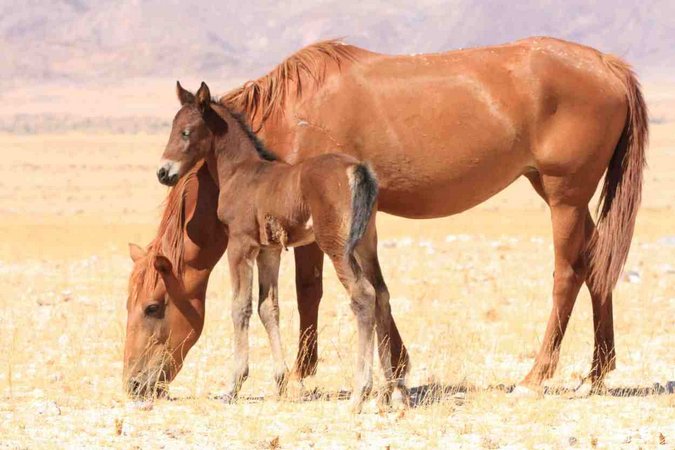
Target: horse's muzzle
x,y
145,387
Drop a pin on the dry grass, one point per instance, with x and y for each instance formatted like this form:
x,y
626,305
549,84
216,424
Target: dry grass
x,y
470,294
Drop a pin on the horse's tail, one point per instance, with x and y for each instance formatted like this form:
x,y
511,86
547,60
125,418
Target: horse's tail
x,y
364,194
622,189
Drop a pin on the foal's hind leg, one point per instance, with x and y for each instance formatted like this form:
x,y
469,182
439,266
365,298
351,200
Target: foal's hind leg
x,y
604,357
363,304
394,365
268,309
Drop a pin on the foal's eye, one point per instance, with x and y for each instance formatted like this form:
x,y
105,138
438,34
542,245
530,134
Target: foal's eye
x,y
152,309
185,134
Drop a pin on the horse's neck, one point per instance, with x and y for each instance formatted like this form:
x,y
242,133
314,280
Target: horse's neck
x,y
204,237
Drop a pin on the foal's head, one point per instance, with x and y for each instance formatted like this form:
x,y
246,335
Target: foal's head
x,y
192,134
162,324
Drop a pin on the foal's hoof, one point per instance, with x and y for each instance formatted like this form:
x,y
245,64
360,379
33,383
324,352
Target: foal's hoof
x,y
281,379
408,401
356,402
356,406
140,405
525,391
230,398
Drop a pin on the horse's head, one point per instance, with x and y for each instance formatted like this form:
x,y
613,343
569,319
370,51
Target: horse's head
x,y
192,133
163,323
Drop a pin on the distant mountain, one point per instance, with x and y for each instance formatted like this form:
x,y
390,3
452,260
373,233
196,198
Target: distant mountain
x,y
89,40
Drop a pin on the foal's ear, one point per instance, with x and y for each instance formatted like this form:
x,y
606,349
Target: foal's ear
x,y
162,265
136,252
203,97
183,95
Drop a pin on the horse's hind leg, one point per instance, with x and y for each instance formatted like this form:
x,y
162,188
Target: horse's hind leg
x,y
309,289
603,351
604,357
400,360
268,309
568,215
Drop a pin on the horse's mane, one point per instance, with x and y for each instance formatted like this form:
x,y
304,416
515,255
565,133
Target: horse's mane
x,y
266,96
168,240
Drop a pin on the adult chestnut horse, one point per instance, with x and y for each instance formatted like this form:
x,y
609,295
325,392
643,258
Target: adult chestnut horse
x,y
444,132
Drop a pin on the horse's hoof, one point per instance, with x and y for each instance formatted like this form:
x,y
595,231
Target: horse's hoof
x,y
523,391
588,388
598,387
384,402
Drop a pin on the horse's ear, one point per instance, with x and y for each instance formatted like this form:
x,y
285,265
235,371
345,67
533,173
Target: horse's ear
x,y
173,285
183,95
136,252
162,265
203,97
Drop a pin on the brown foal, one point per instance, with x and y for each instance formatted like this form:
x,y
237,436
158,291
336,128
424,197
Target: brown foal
x,y
266,206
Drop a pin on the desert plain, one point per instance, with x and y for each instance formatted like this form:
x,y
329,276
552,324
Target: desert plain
x,y
470,293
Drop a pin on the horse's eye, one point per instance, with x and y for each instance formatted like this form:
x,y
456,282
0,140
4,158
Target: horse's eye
x,y
152,309
186,134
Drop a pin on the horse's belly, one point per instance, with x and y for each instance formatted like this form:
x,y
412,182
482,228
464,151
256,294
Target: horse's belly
x,y
449,165
419,192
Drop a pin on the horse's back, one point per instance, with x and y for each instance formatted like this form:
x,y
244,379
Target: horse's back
x,y
446,131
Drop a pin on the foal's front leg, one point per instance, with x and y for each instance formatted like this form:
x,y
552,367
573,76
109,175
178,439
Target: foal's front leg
x,y
268,309
241,257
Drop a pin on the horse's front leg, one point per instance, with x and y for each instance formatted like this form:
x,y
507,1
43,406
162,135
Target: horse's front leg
x,y
241,257
268,309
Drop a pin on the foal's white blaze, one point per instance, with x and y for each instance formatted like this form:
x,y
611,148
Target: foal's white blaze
x,y
172,167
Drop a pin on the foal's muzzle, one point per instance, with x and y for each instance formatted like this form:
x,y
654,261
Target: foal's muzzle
x,y
167,173
164,177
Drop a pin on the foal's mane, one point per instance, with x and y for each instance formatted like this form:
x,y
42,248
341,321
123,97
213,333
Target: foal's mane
x,y
169,240
263,151
267,95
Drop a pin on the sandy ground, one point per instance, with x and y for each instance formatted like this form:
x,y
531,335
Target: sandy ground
x,y
470,293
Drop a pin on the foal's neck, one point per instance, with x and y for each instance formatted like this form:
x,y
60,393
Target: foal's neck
x,y
234,150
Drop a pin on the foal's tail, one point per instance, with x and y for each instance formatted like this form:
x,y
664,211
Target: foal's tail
x,y
622,189
364,195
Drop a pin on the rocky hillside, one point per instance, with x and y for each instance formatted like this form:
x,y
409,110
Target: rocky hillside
x,y
87,40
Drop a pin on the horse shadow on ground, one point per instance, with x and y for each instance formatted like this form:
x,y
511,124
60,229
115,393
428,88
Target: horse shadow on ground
x,y
433,393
